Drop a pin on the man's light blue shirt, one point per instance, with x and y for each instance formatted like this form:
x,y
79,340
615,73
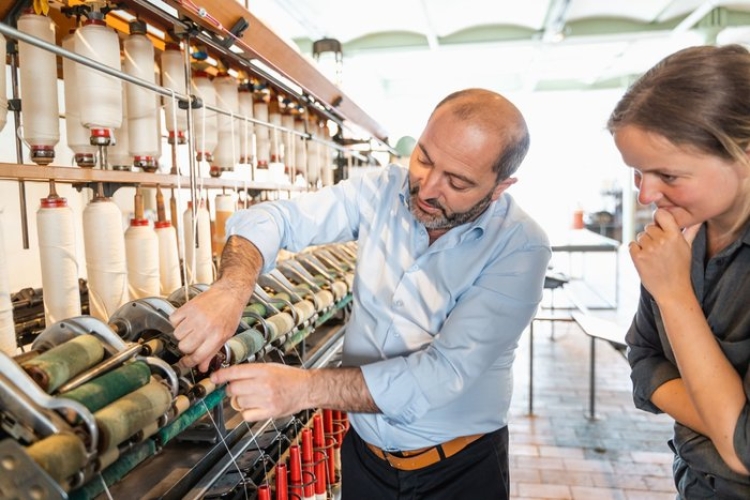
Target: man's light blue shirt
x,y
434,328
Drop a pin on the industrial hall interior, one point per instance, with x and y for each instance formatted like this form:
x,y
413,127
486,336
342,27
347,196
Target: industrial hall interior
x,y
410,249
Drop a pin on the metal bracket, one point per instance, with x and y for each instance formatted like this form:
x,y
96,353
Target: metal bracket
x,y
237,30
22,478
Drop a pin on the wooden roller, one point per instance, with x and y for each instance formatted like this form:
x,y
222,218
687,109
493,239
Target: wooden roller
x,y
324,299
122,419
305,309
61,455
340,289
279,324
54,367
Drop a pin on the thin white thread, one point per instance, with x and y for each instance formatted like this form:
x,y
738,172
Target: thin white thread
x,y
106,488
223,441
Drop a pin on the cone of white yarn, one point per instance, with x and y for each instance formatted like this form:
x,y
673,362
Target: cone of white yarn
x,y
106,263
3,88
198,260
225,206
59,265
169,259
142,251
7,327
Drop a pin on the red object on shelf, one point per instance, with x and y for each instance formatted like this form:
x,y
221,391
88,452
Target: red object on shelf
x,y
308,466
295,472
264,492
282,488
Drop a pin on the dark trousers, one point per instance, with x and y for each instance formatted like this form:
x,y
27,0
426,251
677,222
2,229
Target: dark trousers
x,y
478,472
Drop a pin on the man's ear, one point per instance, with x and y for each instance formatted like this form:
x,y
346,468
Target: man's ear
x,y
502,186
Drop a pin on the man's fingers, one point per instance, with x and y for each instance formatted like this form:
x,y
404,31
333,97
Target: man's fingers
x,y
234,372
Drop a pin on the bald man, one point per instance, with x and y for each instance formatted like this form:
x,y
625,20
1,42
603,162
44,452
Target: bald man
x,y
450,272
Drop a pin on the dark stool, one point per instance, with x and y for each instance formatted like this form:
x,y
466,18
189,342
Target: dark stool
x,y
552,281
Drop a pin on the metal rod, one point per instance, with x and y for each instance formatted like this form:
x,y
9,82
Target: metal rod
x,y
191,148
19,145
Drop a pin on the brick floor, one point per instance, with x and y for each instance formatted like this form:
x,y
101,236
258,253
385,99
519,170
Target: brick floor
x,y
558,452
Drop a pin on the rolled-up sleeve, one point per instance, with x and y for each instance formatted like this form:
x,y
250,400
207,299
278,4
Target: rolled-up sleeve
x,y
650,366
326,216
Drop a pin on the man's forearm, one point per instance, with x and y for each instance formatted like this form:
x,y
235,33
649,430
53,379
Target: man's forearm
x,y
241,262
342,389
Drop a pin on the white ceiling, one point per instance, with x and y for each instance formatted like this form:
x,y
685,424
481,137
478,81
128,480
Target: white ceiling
x,y
400,57
533,44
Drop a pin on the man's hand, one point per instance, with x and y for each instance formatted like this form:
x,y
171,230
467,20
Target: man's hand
x,y
265,390
269,390
203,324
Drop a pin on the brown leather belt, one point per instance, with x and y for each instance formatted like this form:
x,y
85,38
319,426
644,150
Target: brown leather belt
x,y
423,457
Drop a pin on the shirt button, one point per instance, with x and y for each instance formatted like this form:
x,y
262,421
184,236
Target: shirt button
x,y
399,303
414,268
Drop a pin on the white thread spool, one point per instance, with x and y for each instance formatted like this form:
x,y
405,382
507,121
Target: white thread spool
x,y
105,257
173,78
3,87
142,252
169,259
262,133
77,135
8,343
227,98
40,110
274,118
141,102
57,253
225,206
204,121
246,127
314,152
118,152
326,166
300,149
198,261
99,94
224,156
288,142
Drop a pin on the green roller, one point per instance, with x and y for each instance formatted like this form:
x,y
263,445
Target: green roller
x,y
61,455
321,280
282,296
245,344
56,366
255,308
131,413
111,386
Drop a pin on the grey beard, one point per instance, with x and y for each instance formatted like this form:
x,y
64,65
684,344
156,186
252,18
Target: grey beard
x,y
445,221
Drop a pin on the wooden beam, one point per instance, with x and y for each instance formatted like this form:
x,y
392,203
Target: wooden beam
x,y
259,41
